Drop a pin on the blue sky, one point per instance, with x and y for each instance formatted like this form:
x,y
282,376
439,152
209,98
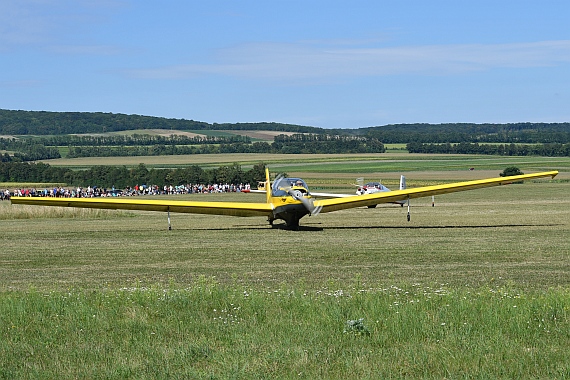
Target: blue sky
x,y
330,64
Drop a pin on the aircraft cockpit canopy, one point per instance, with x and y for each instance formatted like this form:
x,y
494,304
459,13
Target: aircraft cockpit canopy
x,y
376,185
282,184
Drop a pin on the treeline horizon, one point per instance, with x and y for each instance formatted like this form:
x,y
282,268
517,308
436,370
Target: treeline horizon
x,y
527,133
22,123
545,150
121,177
33,150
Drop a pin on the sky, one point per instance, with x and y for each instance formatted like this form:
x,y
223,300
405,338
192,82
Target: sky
x,y
329,64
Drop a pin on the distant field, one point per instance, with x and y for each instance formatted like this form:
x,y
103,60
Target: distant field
x,y
211,159
156,132
260,135
476,287
395,148
379,165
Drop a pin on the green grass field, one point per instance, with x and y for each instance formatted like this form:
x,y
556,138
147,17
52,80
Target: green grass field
x,y
475,287
333,164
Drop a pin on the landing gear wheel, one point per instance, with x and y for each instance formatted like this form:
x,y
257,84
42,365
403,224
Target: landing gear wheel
x,y
293,224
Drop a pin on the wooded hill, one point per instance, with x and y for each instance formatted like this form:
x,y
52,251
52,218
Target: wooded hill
x,y
44,135
62,123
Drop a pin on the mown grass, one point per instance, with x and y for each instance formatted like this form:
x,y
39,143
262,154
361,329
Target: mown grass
x,y
32,212
475,287
211,331
512,233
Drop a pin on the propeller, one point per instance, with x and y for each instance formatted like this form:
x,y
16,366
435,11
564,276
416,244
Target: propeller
x,y
307,202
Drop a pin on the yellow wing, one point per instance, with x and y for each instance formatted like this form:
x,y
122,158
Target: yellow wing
x,y
214,208
329,205
266,209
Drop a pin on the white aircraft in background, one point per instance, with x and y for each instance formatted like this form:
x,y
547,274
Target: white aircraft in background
x,y
363,189
377,187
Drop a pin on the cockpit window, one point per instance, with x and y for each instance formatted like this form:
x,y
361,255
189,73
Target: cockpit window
x,y
282,184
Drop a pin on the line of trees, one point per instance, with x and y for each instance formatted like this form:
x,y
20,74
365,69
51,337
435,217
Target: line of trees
x,y
32,150
311,143
122,177
527,133
548,150
161,150
129,140
27,150
293,144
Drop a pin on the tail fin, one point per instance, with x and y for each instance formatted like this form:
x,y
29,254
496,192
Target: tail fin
x,y
402,182
267,186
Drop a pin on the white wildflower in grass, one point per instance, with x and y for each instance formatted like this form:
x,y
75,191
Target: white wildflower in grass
x,y
228,316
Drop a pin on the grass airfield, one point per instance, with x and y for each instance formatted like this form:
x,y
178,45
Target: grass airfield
x,y
515,233
475,287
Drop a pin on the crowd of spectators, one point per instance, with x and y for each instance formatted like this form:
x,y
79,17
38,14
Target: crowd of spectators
x,y
137,190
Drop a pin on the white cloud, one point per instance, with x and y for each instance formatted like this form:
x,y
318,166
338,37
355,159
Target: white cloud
x,y
280,61
20,24
37,22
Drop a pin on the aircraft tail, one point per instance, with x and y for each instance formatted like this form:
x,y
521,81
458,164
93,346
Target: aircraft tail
x,y
402,182
267,186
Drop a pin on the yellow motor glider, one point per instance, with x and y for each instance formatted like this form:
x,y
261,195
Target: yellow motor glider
x,y
289,199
